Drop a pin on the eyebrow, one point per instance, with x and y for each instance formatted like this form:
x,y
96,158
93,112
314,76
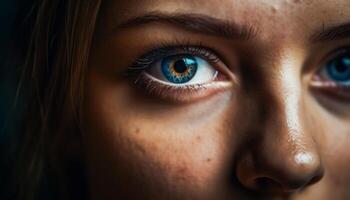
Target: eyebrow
x,y
332,33
204,24
197,23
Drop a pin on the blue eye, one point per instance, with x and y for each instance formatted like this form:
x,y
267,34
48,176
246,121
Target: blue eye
x,y
182,69
338,69
181,73
179,69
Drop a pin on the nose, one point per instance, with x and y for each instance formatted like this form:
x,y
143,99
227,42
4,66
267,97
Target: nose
x,y
272,170
282,156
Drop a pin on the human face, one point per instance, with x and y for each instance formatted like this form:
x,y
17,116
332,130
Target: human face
x,y
219,99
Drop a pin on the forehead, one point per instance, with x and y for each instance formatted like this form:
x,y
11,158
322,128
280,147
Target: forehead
x,y
288,18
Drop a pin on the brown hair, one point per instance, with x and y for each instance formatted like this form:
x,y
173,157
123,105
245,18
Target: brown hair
x,y
55,38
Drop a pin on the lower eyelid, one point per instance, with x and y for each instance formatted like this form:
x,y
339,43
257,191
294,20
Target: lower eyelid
x,y
320,82
331,90
182,93
340,95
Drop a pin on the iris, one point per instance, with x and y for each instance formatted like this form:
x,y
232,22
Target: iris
x,y
338,69
179,69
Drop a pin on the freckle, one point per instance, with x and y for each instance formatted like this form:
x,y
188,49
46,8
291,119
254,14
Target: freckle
x,y
140,149
274,9
198,138
182,170
291,2
208,160
137,131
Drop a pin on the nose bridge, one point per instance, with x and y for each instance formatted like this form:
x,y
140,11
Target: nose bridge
x,y
284,116
282,97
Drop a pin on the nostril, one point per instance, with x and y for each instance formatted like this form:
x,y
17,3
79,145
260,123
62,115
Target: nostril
x,y
268,184
316,178
266,174
265,183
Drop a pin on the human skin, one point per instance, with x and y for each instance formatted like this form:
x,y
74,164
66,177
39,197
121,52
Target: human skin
x,y
267,133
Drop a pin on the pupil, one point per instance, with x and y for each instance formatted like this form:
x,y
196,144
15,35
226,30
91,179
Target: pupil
x,y
342,67
180,66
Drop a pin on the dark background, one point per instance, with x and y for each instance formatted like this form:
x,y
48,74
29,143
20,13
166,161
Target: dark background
x,y
7,68
9,112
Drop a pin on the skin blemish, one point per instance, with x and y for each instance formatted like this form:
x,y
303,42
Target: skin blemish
x,y
294,2
208,160
137,131
274,9
182,174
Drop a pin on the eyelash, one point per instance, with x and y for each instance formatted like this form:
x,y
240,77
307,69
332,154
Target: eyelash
x,y
168,49
175,93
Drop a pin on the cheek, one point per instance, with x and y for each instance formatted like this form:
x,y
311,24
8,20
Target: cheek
x,y
180,147
335,153
181,161
338,159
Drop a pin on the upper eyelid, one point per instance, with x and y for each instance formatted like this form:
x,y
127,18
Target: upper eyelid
x,y
159,53
333,54
211,54
338,51
315,63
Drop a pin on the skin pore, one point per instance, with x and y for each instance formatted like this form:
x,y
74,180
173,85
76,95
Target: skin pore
x,y
265,129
